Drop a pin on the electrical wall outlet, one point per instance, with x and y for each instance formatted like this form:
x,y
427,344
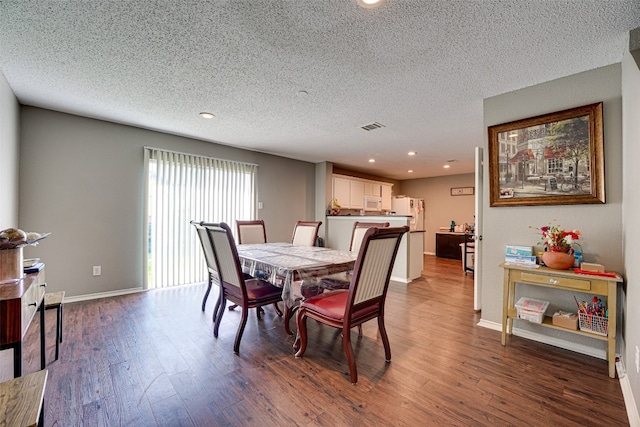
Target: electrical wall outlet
x,y
97,270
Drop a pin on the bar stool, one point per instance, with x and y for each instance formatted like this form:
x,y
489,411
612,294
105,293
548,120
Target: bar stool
x,y
54,300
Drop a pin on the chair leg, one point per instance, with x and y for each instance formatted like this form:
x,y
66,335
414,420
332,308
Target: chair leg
x,y
385,339
288,314
259,312
243,323
60,321
58,329
300,343
360,329
216,325
216,309
277,309
348,351
206,294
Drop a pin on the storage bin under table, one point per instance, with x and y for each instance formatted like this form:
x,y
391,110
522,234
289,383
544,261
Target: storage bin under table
x,y
565,280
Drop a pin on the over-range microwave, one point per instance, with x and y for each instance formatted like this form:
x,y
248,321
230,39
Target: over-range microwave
x,y
372,203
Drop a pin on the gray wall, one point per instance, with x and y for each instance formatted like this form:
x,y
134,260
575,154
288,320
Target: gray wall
x,y
631,207
440,206
82,180
600,224
8,156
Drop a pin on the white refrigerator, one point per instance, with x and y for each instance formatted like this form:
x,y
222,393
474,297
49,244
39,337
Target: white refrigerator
x,y
411,207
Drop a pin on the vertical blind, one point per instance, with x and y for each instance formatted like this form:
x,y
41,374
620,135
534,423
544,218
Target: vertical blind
x,y
180,188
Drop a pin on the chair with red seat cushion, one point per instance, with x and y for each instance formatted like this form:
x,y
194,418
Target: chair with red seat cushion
x,y
342,280
365,298
246,293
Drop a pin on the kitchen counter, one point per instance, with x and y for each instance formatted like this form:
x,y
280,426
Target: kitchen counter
x,y
410,258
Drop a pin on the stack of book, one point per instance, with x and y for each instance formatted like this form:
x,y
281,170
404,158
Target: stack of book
x,y
520,255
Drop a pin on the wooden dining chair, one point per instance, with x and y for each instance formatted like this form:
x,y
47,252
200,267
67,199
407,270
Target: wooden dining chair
x,y
209,258
252,231
343,280
245,293
305,233
363,301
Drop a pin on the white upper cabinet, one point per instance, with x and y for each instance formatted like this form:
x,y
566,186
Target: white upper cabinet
x,y
357,195
342,191
350,192
386,196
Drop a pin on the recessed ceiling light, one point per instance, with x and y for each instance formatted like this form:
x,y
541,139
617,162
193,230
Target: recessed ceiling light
x,y
372,160
369,3
303,93
412,153
410,171
447,166
206,115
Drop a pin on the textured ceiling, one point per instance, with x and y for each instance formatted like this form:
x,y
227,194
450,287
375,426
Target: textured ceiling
x,y
419,67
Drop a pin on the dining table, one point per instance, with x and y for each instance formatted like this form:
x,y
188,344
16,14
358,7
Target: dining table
x,y
297,269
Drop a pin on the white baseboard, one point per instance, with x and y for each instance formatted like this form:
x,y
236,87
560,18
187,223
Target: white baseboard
x,y
88,297
627,394
556,342
400,279
625,385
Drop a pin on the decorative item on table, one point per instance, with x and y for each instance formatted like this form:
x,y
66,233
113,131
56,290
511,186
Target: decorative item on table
x,y
334,207
593,316
531,309
12,240
565,319
558,245
520,255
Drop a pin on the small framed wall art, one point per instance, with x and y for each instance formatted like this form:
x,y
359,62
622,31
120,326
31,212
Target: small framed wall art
x,y
462,191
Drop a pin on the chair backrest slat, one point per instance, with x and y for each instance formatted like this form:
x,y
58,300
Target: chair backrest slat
x,y
228,262
359,228
207,249
251,232
374,269
374,264
305,233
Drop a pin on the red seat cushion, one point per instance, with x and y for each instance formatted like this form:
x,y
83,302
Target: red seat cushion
x,y
257,290
332,304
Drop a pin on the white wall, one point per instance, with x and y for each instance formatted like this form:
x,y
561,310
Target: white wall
x,y
600,224
631,196
9,151
82,180
440,206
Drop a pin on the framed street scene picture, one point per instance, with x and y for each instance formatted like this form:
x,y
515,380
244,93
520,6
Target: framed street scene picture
x,y
553,159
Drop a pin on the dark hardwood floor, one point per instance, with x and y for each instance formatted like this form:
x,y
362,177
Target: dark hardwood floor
x,y
150,359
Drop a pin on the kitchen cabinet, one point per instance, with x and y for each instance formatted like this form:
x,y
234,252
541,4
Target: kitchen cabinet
x,y
448,245
350,192
357,195
385,191
371,188
342,191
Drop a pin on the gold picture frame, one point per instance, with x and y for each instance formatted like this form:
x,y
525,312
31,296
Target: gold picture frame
x,y
552,159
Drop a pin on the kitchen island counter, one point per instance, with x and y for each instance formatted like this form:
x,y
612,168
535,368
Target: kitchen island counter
x,y
409,260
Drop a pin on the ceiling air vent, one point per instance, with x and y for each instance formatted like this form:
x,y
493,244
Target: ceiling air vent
x,y
372,126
